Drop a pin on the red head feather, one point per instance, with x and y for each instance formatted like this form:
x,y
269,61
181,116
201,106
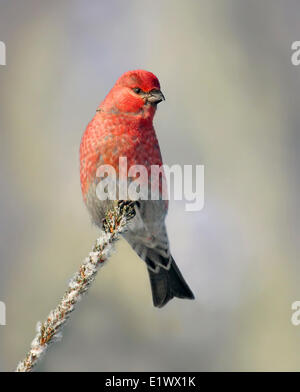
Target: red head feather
x,y
123,98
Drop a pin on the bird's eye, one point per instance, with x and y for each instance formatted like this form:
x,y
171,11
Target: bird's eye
x,y
137,90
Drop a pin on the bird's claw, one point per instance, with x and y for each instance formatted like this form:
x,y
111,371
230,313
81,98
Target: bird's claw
x,y
126,207
112,219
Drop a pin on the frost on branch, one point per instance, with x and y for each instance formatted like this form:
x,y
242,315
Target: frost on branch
x,y
50,331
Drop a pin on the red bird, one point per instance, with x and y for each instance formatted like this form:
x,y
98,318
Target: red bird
x,y
123,127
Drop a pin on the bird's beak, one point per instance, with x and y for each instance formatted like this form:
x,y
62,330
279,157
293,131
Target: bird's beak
x,y
155,96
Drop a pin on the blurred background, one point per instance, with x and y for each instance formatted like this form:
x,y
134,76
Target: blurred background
x,y
233,99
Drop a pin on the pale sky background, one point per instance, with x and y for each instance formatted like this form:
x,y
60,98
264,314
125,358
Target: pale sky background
x,y
232,105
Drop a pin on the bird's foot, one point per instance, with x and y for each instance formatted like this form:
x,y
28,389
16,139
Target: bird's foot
x,y
124,208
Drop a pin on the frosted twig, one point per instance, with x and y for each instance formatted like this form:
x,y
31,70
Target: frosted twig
x,y
50,330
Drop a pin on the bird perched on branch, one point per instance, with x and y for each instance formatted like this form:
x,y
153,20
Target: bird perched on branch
x,y
123,127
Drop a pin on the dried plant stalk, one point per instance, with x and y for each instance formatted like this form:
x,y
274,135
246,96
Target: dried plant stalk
x,y
51,330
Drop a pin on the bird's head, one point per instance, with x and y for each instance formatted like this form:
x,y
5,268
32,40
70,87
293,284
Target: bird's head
x,y
135,92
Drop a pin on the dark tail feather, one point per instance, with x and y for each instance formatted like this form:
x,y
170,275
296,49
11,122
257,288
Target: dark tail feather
x,y
168,284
